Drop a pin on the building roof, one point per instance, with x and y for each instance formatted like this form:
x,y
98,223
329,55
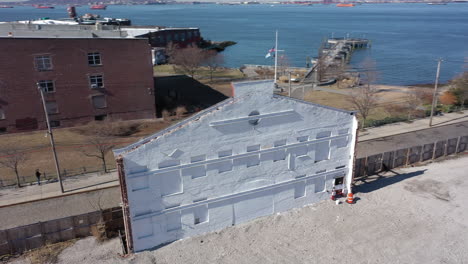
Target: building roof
x,y
70,29
241,90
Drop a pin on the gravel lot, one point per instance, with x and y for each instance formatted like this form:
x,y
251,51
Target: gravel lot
x,y
416,216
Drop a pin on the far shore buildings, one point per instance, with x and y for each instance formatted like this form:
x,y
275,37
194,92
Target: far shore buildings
x,y
87,72
251,155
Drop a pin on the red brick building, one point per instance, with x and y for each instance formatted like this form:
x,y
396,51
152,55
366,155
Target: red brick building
x,y
84,79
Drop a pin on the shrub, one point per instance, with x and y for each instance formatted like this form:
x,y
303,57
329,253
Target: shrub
x,y
448,98
385,121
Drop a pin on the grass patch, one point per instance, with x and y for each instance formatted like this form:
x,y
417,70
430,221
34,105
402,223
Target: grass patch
x,y
69,144
48,254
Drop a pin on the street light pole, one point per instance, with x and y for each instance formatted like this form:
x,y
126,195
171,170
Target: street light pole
x,y
434,97
51,136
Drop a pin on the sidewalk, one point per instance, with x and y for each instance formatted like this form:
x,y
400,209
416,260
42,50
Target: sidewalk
x,y
71,185
416,125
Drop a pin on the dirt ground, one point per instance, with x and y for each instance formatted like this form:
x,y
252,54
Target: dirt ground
x,y
415,215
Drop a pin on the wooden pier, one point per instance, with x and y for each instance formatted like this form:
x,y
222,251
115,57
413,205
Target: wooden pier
x,y
334,54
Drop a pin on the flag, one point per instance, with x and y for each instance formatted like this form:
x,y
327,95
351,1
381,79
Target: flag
x,y
270,53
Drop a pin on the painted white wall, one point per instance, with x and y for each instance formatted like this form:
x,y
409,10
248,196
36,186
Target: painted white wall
x,y
221,167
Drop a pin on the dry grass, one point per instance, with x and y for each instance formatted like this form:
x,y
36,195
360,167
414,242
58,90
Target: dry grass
x,y
201,73
48,254
329,99
69,144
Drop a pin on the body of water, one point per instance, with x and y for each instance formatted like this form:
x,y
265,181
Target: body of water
x,y
407,39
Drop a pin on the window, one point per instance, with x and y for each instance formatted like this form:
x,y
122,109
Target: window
x,y
339,181
253,148
324,134
96,81
173,221
197,158
299,190
94,59
224,153
47,86
99,101
2,114
280,143
54,123
322,151
176,37
168,38
200,214
43,63
51,107
302,138
100,117
182,36
189,34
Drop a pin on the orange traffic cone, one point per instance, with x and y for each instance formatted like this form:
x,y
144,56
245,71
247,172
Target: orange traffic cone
x,y
350,198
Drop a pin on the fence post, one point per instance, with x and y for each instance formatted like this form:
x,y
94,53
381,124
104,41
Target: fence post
x,y
446,147
408,156
458,143
434,150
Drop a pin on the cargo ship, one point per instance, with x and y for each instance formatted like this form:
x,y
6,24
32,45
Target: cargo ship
x,y
98,7
44,7
345,5
5,6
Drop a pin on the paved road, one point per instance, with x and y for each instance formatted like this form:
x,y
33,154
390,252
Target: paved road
x,y
415,138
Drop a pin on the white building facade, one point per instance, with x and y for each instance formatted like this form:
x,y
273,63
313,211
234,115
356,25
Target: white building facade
x,y
249,156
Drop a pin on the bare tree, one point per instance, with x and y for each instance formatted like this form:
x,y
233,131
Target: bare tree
x,y
100,146
283,64
12,158
460,88
213,60
365,97
413,103
187,60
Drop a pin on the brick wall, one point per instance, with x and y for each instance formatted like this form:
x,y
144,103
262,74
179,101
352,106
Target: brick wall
x,y
126,69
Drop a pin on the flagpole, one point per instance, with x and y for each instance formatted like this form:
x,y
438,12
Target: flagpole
x,y
276,54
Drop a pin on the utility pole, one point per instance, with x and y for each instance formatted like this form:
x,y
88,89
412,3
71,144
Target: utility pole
x,y
51,136
276,54
289,93
434,97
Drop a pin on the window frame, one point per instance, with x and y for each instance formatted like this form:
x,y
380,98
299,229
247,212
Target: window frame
x,y
92,62
56,108
39,66
46,88
91,82
99,95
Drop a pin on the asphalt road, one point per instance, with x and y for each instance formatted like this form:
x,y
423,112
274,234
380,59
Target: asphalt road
x,y
415,138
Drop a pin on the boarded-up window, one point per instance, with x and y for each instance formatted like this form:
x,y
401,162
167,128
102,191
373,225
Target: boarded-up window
x,y
198,158
171,183
319,184
224,153
173,221
279,143
299,190
200,214
99,101
323,134
51,107
322,151
253,148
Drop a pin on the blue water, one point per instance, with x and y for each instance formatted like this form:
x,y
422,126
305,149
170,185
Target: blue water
x,y
407,39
